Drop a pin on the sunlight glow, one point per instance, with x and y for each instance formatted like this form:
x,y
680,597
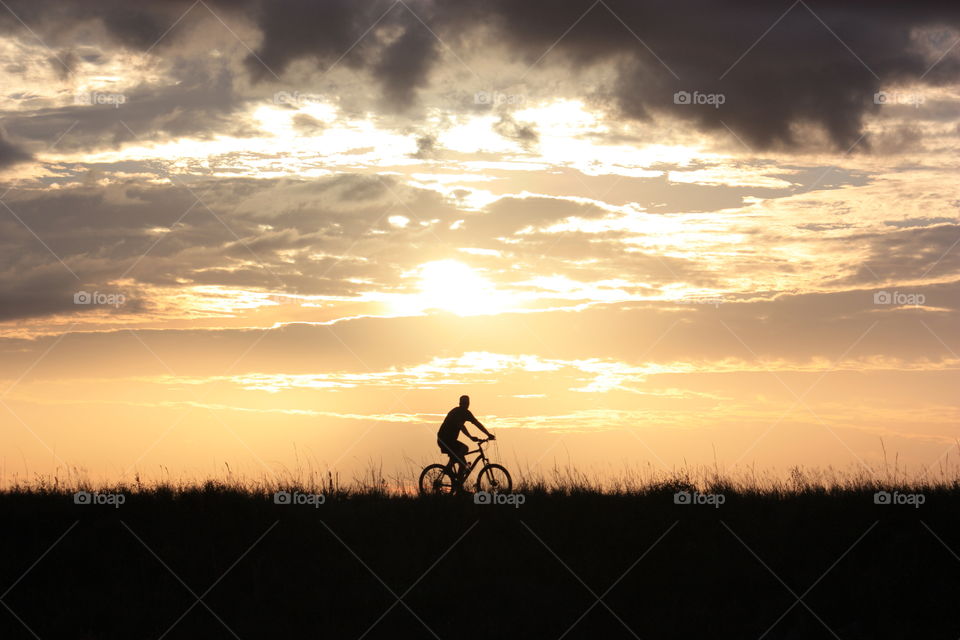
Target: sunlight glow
x,y
450,285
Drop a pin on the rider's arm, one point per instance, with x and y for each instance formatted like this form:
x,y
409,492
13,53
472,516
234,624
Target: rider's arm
x,y
473,419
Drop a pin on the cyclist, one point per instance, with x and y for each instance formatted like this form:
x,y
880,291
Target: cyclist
x,y
453,424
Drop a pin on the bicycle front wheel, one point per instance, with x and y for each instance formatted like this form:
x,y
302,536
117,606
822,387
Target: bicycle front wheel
x,y
494,478
436,480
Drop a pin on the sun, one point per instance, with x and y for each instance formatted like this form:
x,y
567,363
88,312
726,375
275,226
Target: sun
x,y
453,286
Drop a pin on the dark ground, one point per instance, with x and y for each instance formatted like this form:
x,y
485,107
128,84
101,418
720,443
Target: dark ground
x,y
463,570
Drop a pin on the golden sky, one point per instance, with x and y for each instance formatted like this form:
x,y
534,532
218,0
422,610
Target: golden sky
x,y
635,239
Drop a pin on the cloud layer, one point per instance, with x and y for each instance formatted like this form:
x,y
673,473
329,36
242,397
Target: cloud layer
x,y
779,68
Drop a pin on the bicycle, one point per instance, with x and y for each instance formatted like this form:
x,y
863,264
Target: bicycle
x,y
435,479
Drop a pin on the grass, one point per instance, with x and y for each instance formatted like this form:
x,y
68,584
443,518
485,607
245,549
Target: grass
x,y
567,480
465,570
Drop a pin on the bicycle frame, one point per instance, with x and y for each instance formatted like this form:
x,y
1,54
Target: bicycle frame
x,y
470,466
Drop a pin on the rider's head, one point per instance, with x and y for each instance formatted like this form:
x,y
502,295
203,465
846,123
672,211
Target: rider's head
x,y
465,402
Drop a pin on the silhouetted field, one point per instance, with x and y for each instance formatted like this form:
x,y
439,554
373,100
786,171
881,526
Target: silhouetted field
x,y
802,559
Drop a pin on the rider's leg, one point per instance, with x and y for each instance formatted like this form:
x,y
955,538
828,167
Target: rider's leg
x,y
461,462
446,449
453,467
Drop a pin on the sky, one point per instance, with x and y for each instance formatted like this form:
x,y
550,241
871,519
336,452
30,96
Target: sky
x,y
262,238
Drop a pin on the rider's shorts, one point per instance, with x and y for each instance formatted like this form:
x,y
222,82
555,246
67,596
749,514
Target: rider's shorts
x,y
456,449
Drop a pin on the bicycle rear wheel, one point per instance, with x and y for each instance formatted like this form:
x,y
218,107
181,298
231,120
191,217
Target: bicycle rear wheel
x,y
494,478
436,480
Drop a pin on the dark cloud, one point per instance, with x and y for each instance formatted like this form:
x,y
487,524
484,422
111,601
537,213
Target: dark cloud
x,y
426,147
524,133
307,125
910,254
799,73
10,154
137,26
404,64
198,104
64,63
511,214
39,291
819,65
303,29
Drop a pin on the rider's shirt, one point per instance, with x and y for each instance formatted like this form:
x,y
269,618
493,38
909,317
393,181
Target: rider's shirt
x,y
453,422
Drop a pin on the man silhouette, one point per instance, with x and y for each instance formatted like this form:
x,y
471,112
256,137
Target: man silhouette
x,y
453,424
